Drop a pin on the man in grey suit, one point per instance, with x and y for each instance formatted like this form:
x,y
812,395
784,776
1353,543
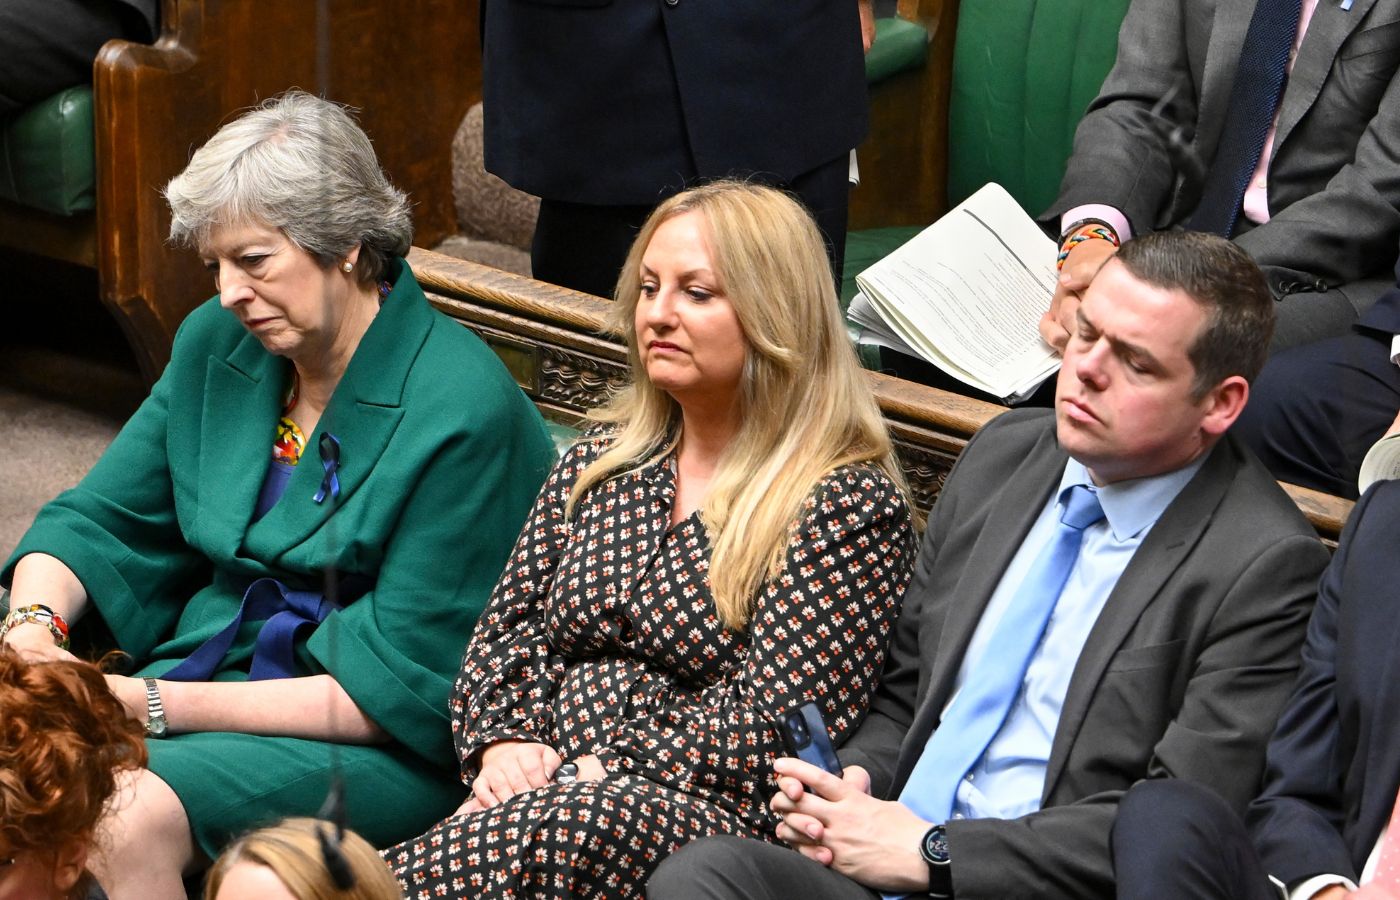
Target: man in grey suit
x,y
1321,213
1167,652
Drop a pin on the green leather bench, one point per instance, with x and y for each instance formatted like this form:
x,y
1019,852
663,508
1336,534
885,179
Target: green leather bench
x,y
46,155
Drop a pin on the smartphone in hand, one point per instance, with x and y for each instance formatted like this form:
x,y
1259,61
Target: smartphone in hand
x,y
804,734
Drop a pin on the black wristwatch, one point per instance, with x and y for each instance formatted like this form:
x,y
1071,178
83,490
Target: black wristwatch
x,y
934,850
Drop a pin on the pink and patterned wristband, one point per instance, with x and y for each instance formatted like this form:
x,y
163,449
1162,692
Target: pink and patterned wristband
x,y
1087,233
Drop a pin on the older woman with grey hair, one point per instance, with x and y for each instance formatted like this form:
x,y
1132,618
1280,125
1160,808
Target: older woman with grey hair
x,y
279,536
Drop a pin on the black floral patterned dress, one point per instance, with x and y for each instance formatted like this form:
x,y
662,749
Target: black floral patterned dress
x,y
602,637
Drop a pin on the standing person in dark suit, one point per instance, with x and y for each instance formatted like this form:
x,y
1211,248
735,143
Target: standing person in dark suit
x,y
1301,173
603,108
1320,826
48,45
1164,649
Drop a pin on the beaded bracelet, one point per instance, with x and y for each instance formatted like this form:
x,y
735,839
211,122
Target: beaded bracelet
x,y
39,614
1085,233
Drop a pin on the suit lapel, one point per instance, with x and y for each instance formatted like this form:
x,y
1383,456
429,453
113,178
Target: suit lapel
x,y
1329,27
1018,503
242,399
363,415
1157,558
1370,598
1228,28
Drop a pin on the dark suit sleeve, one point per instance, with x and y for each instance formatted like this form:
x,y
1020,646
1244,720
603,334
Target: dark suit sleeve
x,y
1239,678
875,746
1346,231
1117,158
1297,821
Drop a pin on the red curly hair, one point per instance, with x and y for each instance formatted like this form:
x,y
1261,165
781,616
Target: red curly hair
x,y
63,739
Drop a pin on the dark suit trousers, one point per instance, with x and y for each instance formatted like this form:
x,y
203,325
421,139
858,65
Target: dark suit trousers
x,y
1316,409
1174,839
583,247
734,868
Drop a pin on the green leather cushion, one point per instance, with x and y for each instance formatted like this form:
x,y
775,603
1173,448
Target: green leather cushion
x,y
46,154
1024,72
900,45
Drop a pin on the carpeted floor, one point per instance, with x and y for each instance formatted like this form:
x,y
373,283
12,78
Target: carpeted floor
x,y
67,383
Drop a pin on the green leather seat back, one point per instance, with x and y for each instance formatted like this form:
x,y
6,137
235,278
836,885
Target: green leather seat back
x,y
47,158
900,45
1024,72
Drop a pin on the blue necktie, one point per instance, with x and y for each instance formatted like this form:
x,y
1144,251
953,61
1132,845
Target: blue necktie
x,y
1254,98
980,708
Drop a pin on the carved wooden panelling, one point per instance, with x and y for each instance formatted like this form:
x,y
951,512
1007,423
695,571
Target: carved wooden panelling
x,y
926,470
577,380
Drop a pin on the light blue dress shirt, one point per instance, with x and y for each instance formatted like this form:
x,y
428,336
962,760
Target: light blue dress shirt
x,y
1007,782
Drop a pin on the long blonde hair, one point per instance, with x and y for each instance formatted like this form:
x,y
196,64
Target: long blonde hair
x,y
805,407
292,850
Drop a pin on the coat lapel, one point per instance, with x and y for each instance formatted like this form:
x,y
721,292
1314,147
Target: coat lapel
x,y
242,399
1159,556
1018,503
363,415
1329,27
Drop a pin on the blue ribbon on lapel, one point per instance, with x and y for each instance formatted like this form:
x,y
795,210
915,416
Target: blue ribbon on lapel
x,y
330,463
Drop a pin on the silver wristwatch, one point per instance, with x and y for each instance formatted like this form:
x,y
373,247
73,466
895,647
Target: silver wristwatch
x,y
155,711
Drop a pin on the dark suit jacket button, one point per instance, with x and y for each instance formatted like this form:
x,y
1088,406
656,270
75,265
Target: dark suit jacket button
x,y
672,2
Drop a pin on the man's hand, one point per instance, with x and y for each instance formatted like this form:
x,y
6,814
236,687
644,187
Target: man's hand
x,y
875,842
867,23
34,642
1082,264
512,767
1365,892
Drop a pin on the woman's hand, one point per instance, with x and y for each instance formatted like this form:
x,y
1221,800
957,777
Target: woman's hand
x,y
513,767
35,642
590,768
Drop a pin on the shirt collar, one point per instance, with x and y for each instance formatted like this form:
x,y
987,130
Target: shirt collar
x,y
1133,506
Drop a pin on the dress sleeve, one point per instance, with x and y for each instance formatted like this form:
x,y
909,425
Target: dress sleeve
x,y
509,672
117,530
395,649
818,633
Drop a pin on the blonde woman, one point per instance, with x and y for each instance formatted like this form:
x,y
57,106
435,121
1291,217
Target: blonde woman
x,y
731,541
287,862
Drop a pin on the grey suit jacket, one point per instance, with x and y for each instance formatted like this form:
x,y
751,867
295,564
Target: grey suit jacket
x,y
1182,675
1334,179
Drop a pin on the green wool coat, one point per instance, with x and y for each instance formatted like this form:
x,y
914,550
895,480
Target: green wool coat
x,y
441,456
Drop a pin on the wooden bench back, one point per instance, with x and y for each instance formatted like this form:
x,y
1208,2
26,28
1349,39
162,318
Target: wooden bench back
x,y
555,343
412,67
